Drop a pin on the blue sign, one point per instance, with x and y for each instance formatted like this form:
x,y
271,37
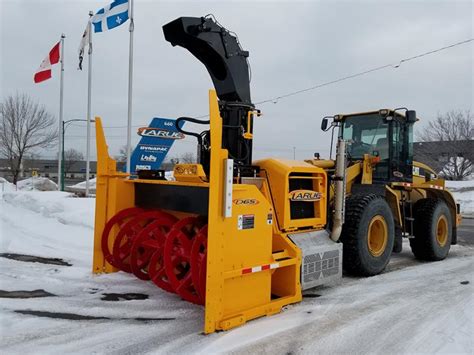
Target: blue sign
x,y
155,143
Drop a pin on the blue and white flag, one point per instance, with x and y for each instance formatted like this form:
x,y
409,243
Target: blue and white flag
x,y
111,16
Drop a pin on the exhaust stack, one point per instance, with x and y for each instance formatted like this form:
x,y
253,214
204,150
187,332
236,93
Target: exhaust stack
x,y
339,197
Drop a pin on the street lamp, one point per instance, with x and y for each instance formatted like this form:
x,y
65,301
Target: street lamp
x,y
62,153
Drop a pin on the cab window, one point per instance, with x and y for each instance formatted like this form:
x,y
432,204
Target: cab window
x,y
366,134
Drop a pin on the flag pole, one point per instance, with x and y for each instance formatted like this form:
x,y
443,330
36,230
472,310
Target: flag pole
x,y
89,110
60,126
130,77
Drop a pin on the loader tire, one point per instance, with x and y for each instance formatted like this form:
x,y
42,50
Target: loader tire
x,y
432,229
367,235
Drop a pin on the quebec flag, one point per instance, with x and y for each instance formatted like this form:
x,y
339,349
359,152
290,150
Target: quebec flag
x,y
111,16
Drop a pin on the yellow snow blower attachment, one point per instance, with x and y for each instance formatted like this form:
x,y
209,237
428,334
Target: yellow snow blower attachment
x,y
227,233
206,238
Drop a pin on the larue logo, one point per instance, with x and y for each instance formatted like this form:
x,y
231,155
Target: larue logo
x,y
159,133
246,201
305,195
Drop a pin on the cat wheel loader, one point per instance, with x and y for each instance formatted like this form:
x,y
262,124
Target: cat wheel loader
x,y
244,238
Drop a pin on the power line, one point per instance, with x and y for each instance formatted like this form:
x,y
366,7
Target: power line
x,y
404,60
365,72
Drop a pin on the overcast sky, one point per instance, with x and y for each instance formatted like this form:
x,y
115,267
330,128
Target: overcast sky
x,y
292,45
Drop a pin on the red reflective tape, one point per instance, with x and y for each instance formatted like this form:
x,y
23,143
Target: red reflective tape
x,y
247,271
266,267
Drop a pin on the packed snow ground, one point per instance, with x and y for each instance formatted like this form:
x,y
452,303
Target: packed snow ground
x,y
413,307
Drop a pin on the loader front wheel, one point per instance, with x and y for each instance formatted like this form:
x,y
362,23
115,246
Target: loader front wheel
x,y
433,230
367,235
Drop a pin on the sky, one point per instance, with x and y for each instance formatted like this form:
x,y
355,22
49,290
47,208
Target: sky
x,y
293,45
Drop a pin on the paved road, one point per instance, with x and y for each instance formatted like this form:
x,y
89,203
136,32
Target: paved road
x,y
466,232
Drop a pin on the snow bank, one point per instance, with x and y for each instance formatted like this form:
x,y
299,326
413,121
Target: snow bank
x,y
62,206
82,185
6,186
463,192
37,183
456,185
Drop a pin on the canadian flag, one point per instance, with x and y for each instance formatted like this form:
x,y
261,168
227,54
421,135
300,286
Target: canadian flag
x,y
44,71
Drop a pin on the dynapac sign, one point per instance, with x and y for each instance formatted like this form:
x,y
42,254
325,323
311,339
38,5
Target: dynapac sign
x,y
159,133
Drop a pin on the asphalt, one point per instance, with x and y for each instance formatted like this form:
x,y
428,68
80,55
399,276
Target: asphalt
x,y
466,232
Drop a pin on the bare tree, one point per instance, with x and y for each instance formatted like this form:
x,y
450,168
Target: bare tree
x,y
71,157
169,163
187,158
122,155
453,130
25,126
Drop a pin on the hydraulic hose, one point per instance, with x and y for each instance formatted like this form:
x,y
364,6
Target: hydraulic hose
x,y
193,120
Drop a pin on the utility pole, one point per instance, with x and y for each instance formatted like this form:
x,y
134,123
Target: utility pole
x,y
64,123
294,153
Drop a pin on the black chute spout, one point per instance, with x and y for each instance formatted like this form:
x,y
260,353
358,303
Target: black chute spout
x,y
218,50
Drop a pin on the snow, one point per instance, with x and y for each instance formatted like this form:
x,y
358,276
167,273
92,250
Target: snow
x,y
29,184
6,186
413,307
37,183
463,192
455,185
82,185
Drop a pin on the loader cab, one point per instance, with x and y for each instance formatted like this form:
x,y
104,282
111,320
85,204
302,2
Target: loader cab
x,y
385,133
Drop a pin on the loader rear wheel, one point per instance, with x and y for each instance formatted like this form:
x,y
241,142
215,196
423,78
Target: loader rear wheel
x,y
367,235
433,230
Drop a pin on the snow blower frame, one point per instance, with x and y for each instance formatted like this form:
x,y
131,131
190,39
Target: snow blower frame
x,y
228,233
206,257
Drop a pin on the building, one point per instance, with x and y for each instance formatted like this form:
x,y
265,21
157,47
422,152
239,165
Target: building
x,y
438,154
74,171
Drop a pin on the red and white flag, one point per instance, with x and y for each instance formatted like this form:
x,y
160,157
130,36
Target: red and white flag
x,y
44,71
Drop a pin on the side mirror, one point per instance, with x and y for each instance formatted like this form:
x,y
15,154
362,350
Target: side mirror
x,y
324,123
410,116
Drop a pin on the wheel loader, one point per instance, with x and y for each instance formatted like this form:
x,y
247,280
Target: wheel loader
x,y
244,238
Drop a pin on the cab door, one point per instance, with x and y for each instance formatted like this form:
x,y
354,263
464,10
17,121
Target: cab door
x,y
401,151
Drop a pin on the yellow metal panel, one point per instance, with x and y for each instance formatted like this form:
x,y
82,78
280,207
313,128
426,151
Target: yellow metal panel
x,y
112,195
240,282
189,173
352,173
216,229
393,199
322,163
166,182
277,172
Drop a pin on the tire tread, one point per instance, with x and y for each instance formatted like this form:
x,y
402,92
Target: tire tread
x,y
355,207
421,245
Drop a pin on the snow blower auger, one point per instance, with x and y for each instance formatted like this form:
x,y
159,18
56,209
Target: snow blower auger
x,y
242,238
